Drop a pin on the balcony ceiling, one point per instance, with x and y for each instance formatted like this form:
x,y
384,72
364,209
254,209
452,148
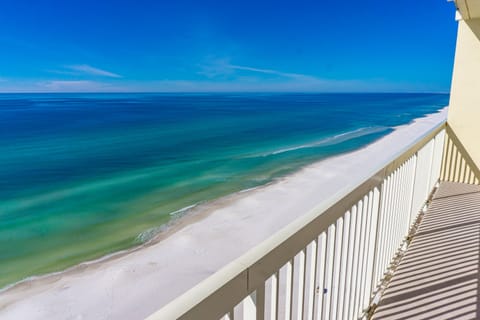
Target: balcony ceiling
x,y
469,9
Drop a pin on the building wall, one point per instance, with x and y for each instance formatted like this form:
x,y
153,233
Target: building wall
x,y
464,110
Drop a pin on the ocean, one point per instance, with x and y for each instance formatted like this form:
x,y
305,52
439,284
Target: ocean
x,y
86,175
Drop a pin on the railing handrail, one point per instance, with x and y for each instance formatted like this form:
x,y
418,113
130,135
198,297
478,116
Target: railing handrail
x,y
214,296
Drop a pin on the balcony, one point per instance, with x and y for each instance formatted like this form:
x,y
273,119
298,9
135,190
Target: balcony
x,y
438,276
368,254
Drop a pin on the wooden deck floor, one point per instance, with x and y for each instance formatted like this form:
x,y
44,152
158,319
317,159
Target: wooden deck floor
x,y
439,278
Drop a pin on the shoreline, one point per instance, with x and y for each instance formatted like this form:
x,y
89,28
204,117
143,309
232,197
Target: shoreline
x,y
188,216
43,288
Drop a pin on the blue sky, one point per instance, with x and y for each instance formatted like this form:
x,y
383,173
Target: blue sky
x,y
248,45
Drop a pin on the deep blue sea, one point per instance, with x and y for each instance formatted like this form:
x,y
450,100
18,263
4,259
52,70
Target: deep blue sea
x,y
84,175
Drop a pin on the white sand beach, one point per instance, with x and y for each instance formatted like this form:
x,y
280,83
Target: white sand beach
x,y
134,284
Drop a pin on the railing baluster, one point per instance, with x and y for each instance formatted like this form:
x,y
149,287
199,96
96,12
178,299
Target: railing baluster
x,y
271,297
463,169
405,209
402,210
356,255
412,176
443,172
431,171
284,291
329,271
434,171
390,215
310,268
445,160
431,150
386,216
361,268
320,276
388,231
349,266
459,166
455,165
368,232
439,149
343,266
337,267
298,285
448,156
399,230
451,170
397,204
365,253
377,267
372,246
454,168
292,288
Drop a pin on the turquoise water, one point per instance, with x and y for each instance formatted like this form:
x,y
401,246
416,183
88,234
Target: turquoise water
x,y
84,175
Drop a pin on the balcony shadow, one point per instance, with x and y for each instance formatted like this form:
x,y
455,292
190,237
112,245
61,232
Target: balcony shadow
x,y
439,276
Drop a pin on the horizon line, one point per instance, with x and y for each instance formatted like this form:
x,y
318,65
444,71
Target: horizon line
x,y
220,92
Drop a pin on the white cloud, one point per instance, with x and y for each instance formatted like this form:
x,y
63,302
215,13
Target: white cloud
x,y
216,68
220,76
89,70
223,67
269,71
84,70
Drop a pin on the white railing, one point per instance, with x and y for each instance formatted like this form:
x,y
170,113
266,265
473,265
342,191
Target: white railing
x,y
328,263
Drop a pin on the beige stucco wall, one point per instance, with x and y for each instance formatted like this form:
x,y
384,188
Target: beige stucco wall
x,y
464,111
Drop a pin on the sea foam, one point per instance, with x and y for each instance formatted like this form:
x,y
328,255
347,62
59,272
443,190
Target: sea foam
x,y
333,140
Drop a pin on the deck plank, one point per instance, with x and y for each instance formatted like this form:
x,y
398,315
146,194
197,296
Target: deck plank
x,y
439,278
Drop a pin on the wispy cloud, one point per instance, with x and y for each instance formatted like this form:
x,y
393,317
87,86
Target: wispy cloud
x,y
84,70
269,71
223,67
219,75
89,70
216,68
